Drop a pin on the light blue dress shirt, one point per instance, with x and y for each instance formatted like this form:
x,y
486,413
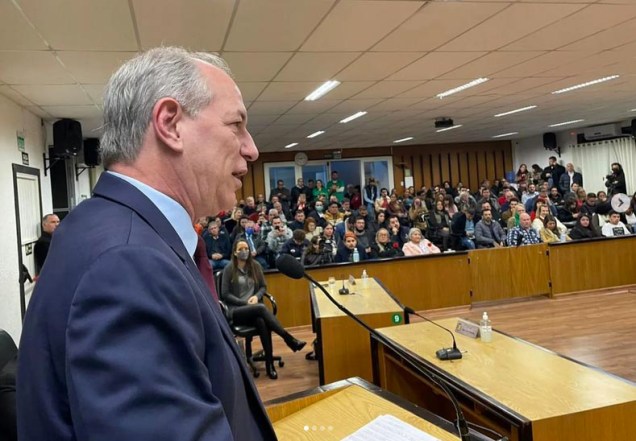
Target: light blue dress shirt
x,y
171,209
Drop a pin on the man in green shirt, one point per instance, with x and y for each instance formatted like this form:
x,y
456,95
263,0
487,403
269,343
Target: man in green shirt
x,y
336,186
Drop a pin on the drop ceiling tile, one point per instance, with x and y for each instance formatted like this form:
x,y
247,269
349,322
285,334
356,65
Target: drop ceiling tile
x,y
315,66
435,64
358,25
15,96
256,66
38,111
491,63
387,89
95,92
15,31
93,67
377,65
512,23
259,120
83,24
348,89
315,107
32,68
294,118
74,112
250,90
543,63
431,88
54,95
275,25
354,105
270,107
431,27
196,25
588,21
392,104
287,91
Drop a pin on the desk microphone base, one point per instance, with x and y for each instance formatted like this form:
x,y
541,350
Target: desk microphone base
x,y
449,354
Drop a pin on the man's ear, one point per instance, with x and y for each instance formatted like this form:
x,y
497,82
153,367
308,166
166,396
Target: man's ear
x,y
167,115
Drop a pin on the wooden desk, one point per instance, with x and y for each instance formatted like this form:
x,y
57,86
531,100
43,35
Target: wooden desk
x,y
514,387
343,347
338,410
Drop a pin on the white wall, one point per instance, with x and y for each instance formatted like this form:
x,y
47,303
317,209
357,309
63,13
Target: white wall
x,y
13,118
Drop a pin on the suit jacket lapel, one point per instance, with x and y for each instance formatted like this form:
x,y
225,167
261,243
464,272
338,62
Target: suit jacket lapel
x,y
119,191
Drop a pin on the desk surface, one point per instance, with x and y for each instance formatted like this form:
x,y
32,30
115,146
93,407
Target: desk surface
x,y
368,297
529,380
344,412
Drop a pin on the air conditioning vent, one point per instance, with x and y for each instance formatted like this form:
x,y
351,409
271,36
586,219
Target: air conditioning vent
x,y
601,132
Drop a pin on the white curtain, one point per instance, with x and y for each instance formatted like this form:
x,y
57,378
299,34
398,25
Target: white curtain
x,y
594,160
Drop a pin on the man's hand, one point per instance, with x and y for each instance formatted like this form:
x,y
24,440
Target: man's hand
x,y
252,300
217,256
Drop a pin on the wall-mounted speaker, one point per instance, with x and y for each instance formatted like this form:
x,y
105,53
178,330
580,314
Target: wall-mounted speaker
x,y
67,137
91,152
550,141
634,127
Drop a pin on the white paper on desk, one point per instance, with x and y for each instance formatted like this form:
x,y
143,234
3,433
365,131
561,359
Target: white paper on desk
x,y
389,428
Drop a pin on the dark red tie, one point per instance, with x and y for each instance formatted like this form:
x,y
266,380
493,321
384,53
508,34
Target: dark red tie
x,y
201,259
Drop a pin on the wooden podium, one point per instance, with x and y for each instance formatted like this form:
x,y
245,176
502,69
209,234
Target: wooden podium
x,y
337,410
516,388
343,347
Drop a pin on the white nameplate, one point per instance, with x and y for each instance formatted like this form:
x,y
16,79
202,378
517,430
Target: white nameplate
x,y
469,329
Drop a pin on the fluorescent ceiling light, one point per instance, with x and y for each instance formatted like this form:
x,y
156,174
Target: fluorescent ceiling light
x,y
633,110
523,109
589,83
402,140
318,133
449,128
565,123
506,134
293,144
462,87
352,117
322,90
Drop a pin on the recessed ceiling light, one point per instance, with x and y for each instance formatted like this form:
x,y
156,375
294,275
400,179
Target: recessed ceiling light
x,y
589,83
318,133
565,123
523,109
503,135
462,87
293,144
322,90
633,110
449,128
403,139
352,117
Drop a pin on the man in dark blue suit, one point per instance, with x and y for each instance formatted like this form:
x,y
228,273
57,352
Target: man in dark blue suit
x,y
123,339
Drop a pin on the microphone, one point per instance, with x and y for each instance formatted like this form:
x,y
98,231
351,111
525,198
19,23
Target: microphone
x,y
342,291
444,353
290,267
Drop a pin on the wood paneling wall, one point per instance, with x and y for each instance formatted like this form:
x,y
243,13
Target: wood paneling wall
x,y
469,163
459,279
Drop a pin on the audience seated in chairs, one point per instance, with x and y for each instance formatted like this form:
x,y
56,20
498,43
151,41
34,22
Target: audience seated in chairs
x,y
439,225
614,227
488,233
417,245
584,229
316,253
383,247
347,247
242,290
550,232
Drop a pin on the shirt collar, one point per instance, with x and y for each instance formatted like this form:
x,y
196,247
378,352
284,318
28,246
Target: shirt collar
x,y
171,209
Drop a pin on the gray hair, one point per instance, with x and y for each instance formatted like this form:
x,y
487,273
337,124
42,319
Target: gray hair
x,y
414,230
138,84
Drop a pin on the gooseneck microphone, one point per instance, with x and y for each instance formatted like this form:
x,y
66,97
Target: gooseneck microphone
x,y
444,353
290,267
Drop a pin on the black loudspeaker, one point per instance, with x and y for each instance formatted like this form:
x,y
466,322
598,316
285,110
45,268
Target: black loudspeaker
x,y
634,127
549,141
67,137
91,152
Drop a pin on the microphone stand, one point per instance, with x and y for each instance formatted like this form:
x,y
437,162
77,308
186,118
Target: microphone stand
x,y
445,353
462,425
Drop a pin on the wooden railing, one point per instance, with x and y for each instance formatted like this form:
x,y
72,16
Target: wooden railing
x,y
462,278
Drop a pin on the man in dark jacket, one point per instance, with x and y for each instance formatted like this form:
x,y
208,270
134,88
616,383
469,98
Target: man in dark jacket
x,y
552,173
41,249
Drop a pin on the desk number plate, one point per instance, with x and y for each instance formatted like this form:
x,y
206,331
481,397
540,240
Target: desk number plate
x,y
467,328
